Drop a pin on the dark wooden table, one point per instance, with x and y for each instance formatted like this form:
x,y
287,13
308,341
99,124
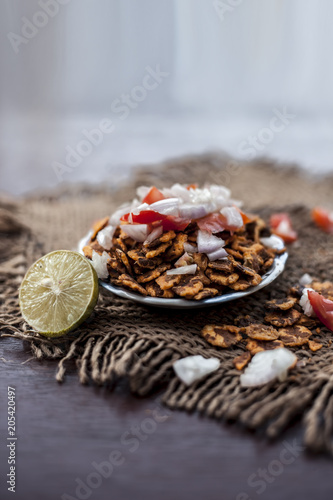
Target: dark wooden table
x,y
65,431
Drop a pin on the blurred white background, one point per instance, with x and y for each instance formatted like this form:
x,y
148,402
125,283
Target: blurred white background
x,y
173,76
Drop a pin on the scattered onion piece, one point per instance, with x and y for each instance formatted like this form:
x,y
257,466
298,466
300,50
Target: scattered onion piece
x,y
208,243
153,235
305,303
193,368
104,237
191,269
184,260
138,232
190,248
234,220
306,279
167,206
272,241
218,254
268,365
99,262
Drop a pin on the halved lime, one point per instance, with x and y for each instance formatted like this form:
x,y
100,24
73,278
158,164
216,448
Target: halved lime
x,y
58,293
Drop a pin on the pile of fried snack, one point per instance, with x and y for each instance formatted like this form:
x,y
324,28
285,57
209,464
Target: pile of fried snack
x,y
143,267
284,325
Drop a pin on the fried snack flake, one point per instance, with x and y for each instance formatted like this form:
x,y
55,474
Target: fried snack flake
x,y
325,288
222,336
206,293
293,336
87,251
98,226
177,248
283,304
122,258
150,254
283,318
223,279
314,345
154,273
166,281
242,360
129,282
261,332
164,238
255,346
225,266
154,290
189,288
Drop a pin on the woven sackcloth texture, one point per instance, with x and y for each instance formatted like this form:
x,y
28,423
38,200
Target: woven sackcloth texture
x,y
125,340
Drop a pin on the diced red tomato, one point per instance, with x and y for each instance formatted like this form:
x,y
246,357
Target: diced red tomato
x,y
322,307
169,222
213,223
172,223
323,218
246,218
153,195
192,186
281,226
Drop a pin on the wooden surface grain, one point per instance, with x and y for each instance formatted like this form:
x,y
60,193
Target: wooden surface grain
x,y
65,431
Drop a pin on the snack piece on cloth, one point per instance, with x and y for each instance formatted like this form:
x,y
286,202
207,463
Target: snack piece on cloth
x,y
223,336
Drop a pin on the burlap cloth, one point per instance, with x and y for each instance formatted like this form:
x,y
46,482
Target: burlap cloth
x,y
124,339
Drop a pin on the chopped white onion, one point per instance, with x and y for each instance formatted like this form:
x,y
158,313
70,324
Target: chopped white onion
x,y
100,264
268,365
272,242
156,233
138,232
193,368
183,270
184,260
208,243
104,237
138,209
305,303
305,279
234,218
169,206
191,211
190,248
180,191
218,254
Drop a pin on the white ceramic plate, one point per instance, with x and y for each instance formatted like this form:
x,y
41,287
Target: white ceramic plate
x,y
276,269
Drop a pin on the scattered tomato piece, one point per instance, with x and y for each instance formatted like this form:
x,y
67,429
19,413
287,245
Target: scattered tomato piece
x,y
153,195
172,223
144,217
281,226
323,218
246,218
192,186
323,308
